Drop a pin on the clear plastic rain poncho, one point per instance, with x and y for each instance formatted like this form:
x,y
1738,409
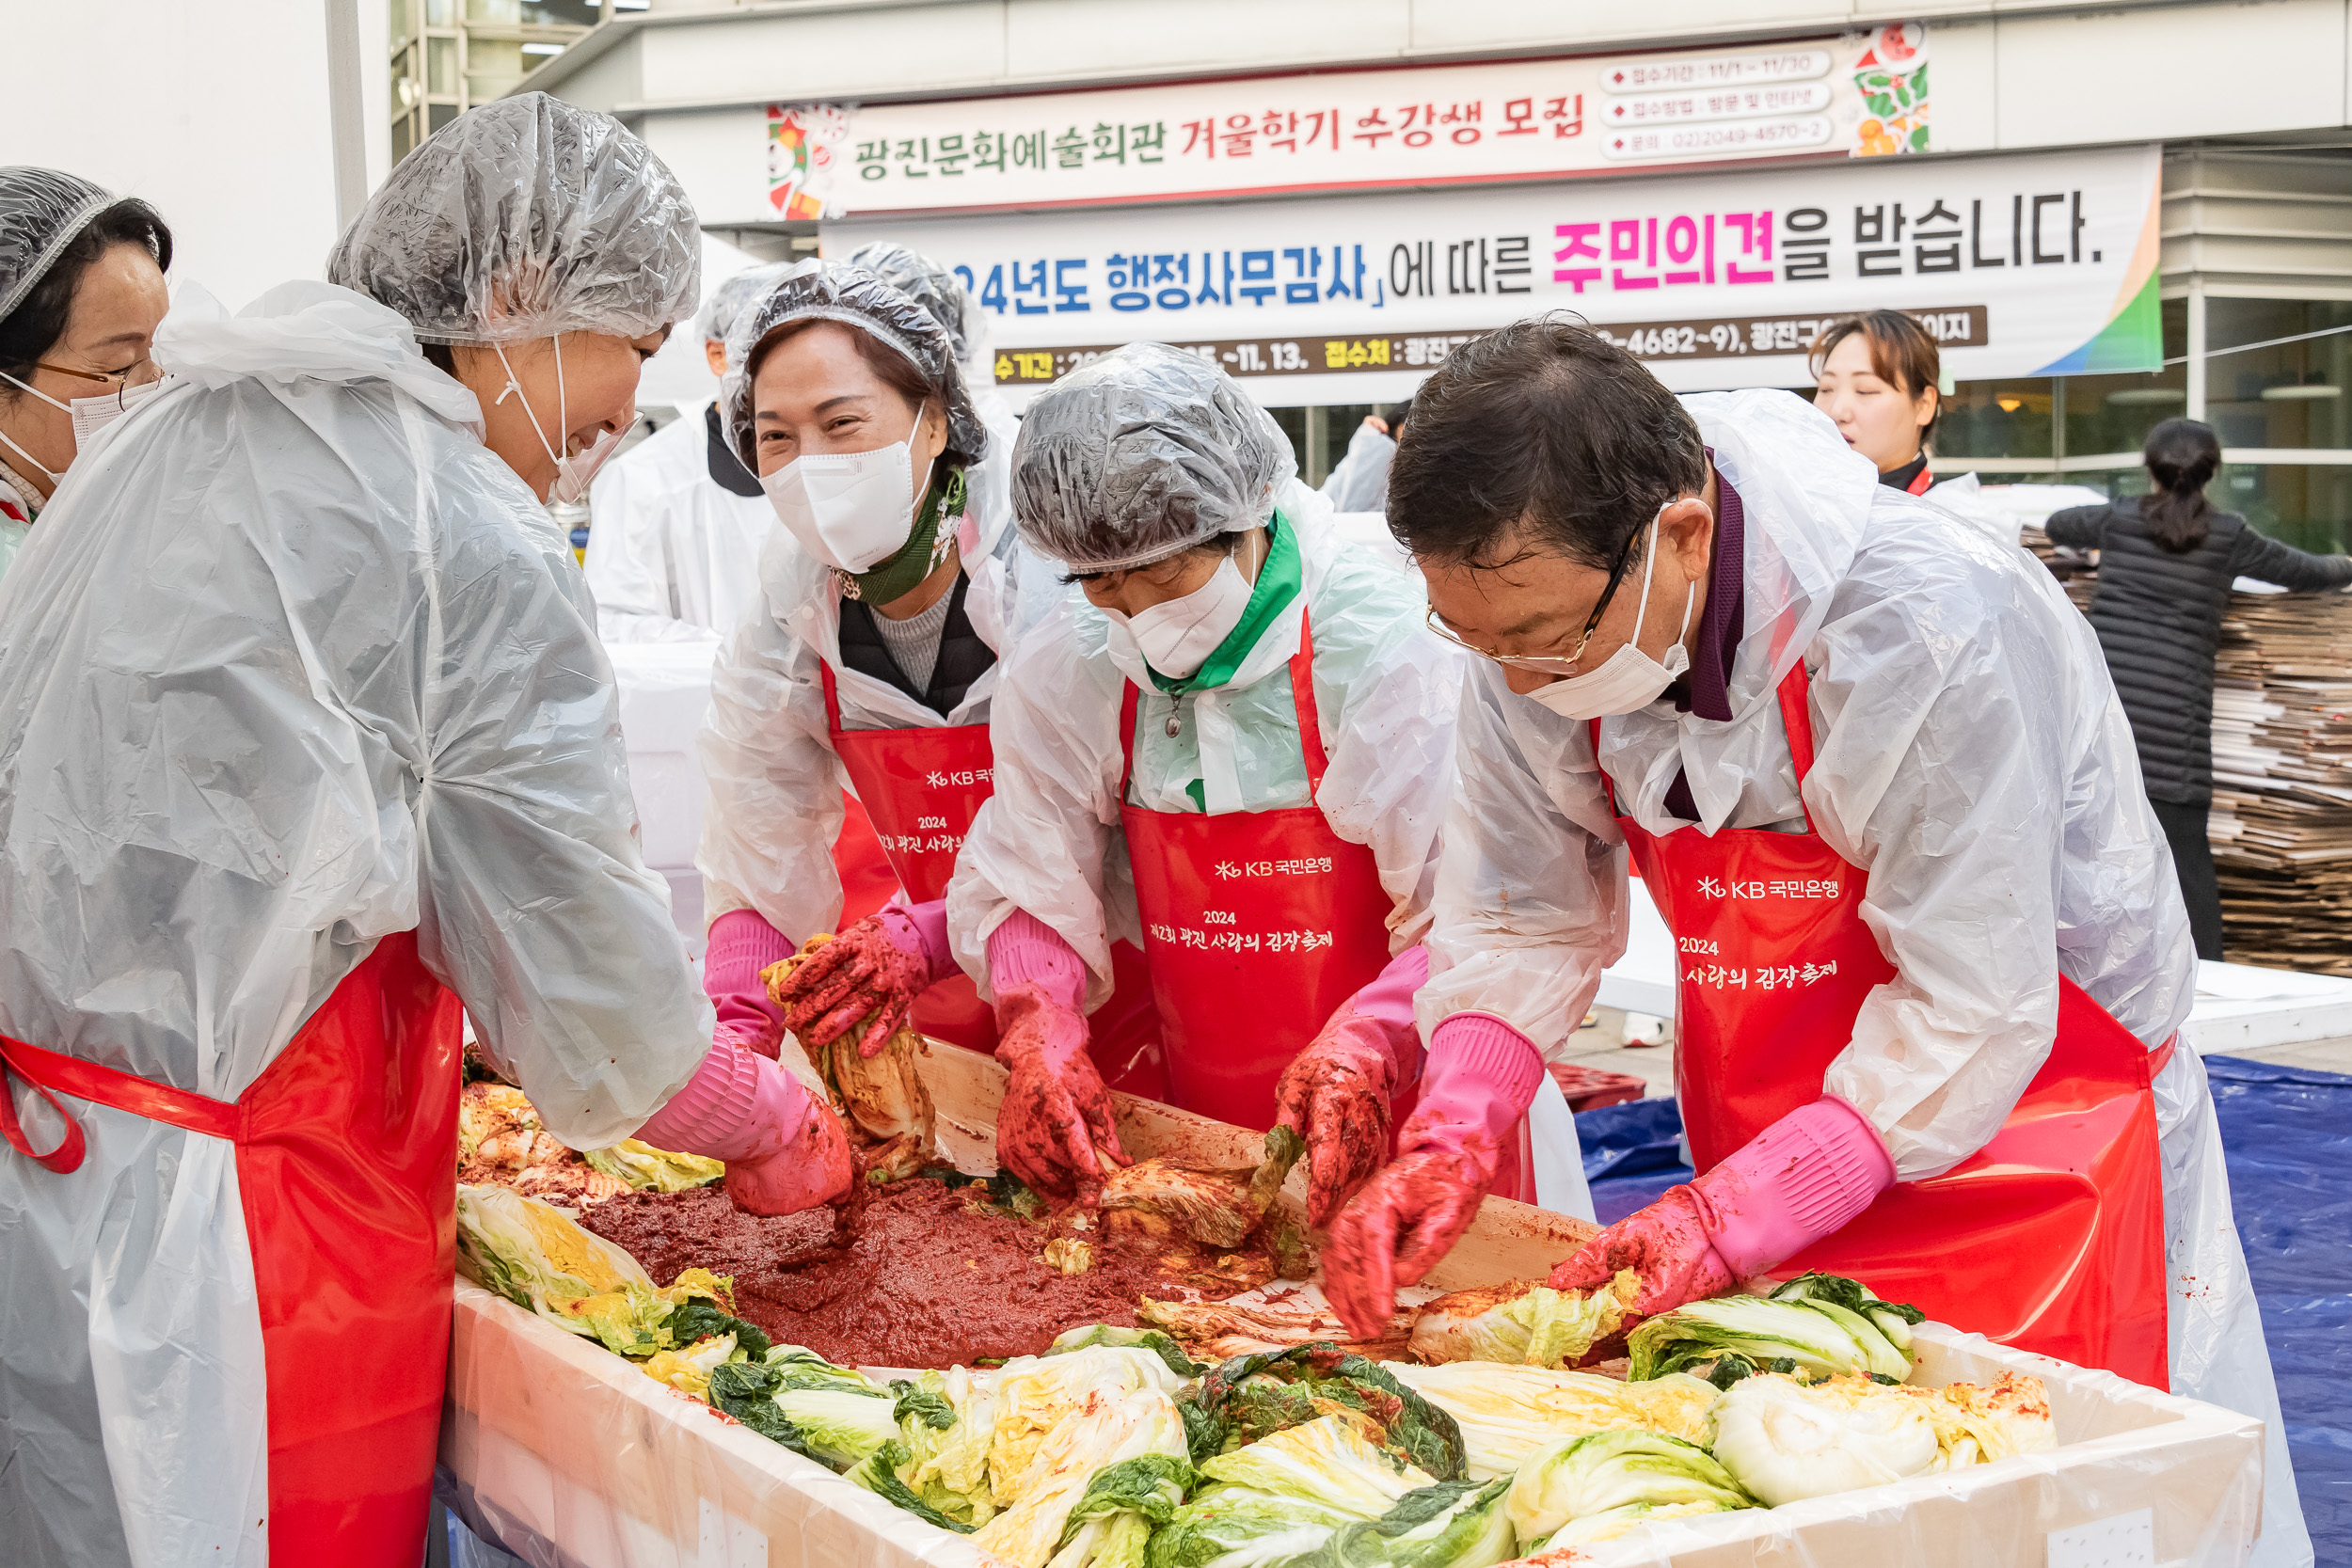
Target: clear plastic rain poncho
x,y
42,210
1137,457
298,664
774,781
942,294
1969,754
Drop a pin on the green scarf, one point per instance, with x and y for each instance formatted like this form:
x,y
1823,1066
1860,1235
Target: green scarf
x,y
896,577
1276,586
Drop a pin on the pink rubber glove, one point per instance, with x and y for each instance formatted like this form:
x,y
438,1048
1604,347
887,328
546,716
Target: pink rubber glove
x,y
1800,1180
742,944
1056,1125
785,1149
874,970
1481,1077
1335,1093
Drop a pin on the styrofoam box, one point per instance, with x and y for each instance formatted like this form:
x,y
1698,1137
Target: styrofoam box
x,y
576,1459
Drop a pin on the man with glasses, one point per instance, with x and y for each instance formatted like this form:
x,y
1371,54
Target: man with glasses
x,y
80,295
1873,771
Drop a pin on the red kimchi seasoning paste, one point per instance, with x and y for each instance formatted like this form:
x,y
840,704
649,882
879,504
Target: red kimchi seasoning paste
x,y
925,1276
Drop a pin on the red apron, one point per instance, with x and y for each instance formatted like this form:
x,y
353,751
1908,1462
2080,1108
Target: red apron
x,y
2051,1237
866,879
1258,925
346,1164
921,787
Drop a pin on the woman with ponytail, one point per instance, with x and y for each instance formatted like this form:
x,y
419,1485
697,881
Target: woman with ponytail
x,y
2167,559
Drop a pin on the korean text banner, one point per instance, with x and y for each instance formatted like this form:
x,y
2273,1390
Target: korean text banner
x,y
1863,94
2041,265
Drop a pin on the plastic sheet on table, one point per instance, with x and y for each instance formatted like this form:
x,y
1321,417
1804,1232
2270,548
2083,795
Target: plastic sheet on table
x,y
1632,1153
2286,1133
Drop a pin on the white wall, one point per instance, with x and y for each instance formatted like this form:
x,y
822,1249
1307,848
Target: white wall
x,y
216,114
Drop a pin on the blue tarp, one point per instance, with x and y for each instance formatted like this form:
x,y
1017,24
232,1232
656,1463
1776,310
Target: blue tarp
x,y
2287,1135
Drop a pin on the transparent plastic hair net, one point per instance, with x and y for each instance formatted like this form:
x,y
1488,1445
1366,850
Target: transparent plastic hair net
x,y
522,219
725,302
926,282
41,210
837,291
1143,453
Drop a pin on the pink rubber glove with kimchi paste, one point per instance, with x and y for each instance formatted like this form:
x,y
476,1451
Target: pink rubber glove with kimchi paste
x,y
1481,1077
1800,1180
1335,1094
785,1149
872,973
1055,1127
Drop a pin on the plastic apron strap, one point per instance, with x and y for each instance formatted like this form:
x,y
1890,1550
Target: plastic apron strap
x,y
67,1157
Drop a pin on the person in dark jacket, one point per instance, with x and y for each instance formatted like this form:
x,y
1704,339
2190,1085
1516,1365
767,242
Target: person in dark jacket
x,y
2165,563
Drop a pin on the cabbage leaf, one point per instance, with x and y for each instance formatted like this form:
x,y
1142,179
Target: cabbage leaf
x,y
1577,1476
1506,1413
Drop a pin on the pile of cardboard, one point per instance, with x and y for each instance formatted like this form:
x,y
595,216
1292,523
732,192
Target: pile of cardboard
x,y
2281,823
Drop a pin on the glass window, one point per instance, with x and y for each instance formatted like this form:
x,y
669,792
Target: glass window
x,y
2115,413
2304,504
404,134
2288,396
439,114
1997,418
440,13
1293,423
441,63
507,11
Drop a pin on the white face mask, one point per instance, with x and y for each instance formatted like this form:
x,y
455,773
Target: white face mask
x,y
90,415
573,471
851,510
1628,680
1177,638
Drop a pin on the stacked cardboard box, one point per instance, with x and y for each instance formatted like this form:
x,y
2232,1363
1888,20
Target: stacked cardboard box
x,y
2281,823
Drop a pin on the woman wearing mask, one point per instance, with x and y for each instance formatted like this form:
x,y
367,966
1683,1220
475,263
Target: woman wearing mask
x,y
81,294
1874,775
937,289
1236,740
1876,376
2165,563
870,664
309,721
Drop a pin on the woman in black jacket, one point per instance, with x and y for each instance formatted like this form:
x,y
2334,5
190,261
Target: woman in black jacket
x,y
2165,563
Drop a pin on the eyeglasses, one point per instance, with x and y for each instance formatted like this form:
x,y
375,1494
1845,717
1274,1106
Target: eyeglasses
x,y
137,374
1551,664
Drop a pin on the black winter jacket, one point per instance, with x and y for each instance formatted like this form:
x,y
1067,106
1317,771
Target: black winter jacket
x,y
2159,617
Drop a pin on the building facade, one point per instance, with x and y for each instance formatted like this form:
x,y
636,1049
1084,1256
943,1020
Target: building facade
x,y
2107,216
448,56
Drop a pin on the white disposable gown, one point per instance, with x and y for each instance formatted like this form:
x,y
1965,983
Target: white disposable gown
x,y
673,554
293,664
774,779
1971,757
1360,483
